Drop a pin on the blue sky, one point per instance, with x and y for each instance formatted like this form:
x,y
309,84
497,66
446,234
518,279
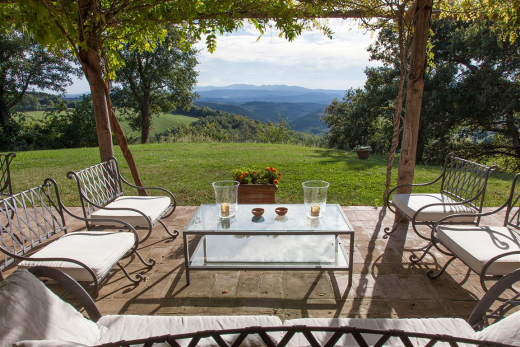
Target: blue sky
x,y
312,60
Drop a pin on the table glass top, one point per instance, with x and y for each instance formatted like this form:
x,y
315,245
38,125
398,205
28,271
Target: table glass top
x,y
207,219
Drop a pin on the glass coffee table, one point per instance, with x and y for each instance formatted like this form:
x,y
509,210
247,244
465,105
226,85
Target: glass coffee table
x,y
269,242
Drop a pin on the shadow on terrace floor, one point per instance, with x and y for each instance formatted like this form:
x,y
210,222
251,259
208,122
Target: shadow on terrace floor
x,y
385,283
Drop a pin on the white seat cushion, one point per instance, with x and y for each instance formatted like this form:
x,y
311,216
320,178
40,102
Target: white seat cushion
x,y
476,245
98,250
411,203
30,311
153,207
506,331
130,327
450,326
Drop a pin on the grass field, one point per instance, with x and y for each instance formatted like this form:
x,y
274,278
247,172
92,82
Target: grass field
x,y
188,169
159,124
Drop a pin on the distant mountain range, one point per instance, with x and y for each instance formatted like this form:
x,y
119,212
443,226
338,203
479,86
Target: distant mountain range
x,y
301,106
241,93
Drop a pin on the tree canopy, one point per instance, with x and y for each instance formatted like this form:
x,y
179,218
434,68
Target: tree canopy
x,y
151,82
26,65
470,103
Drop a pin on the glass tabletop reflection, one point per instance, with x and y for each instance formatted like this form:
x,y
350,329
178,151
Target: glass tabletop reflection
x,y
207,219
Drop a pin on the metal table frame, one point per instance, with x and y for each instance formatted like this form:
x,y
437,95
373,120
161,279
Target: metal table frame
x,y
348,257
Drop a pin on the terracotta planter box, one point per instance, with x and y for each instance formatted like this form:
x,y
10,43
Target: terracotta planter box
x,y
363,154
256,193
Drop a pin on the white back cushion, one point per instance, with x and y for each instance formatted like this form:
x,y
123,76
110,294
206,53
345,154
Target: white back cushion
x,y
130,327
443,326
46,343
30,311
506,331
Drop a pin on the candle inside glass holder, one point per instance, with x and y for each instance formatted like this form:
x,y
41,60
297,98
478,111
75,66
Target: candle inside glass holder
x,y
315,210
224,209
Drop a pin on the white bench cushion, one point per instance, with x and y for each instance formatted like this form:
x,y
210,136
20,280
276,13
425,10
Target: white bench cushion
x,y
98,250
450,326
152,207
476,245
47,343
129,327
30,311
506,331
411,203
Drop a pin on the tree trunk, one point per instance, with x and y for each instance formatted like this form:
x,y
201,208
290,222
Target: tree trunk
x,y
414,95
4,115
93,73
403,59
145,118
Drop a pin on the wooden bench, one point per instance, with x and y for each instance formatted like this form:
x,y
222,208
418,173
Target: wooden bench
x,y
462,190
33,230
101,194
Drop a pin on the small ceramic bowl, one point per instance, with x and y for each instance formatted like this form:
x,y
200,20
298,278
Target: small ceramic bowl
x,y
281,211
257,211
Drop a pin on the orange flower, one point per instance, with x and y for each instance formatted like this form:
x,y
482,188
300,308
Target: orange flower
x,y
276,181
241,177
246,173
279,176
268,169
274,170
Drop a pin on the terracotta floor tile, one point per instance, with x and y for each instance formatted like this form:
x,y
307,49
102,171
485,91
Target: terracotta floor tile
x,y
385,282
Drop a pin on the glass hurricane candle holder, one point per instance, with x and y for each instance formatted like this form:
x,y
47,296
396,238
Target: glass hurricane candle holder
x,y
315,198
226,193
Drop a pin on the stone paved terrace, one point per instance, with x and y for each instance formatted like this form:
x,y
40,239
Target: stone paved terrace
x,y
385,283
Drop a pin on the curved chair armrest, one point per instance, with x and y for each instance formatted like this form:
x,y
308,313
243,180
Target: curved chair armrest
x,y
411,185
72,286
64,208
491,296
148,188
173,203
481,214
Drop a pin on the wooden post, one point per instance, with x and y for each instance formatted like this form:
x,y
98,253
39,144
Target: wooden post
x,y
418,61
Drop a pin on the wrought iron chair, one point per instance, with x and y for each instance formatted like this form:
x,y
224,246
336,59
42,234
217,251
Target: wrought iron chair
x,y
33,230
101,194
490,251
462,190
6,188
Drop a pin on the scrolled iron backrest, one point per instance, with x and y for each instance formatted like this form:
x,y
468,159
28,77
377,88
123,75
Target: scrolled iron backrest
x,y
464,179
359,337
6,188
27,220
100,184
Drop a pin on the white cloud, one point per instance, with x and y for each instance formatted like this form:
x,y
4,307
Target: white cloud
x,y
312,60
239,57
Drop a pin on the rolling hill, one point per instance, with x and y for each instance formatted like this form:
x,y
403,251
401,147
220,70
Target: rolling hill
x,y
301,106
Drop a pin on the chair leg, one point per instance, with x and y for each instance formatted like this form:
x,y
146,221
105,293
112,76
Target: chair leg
x,y
138,278
430,272
414,259
151,263
175,232
386,230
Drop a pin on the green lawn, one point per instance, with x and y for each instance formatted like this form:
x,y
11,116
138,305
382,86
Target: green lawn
x,y
159,124
187,169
